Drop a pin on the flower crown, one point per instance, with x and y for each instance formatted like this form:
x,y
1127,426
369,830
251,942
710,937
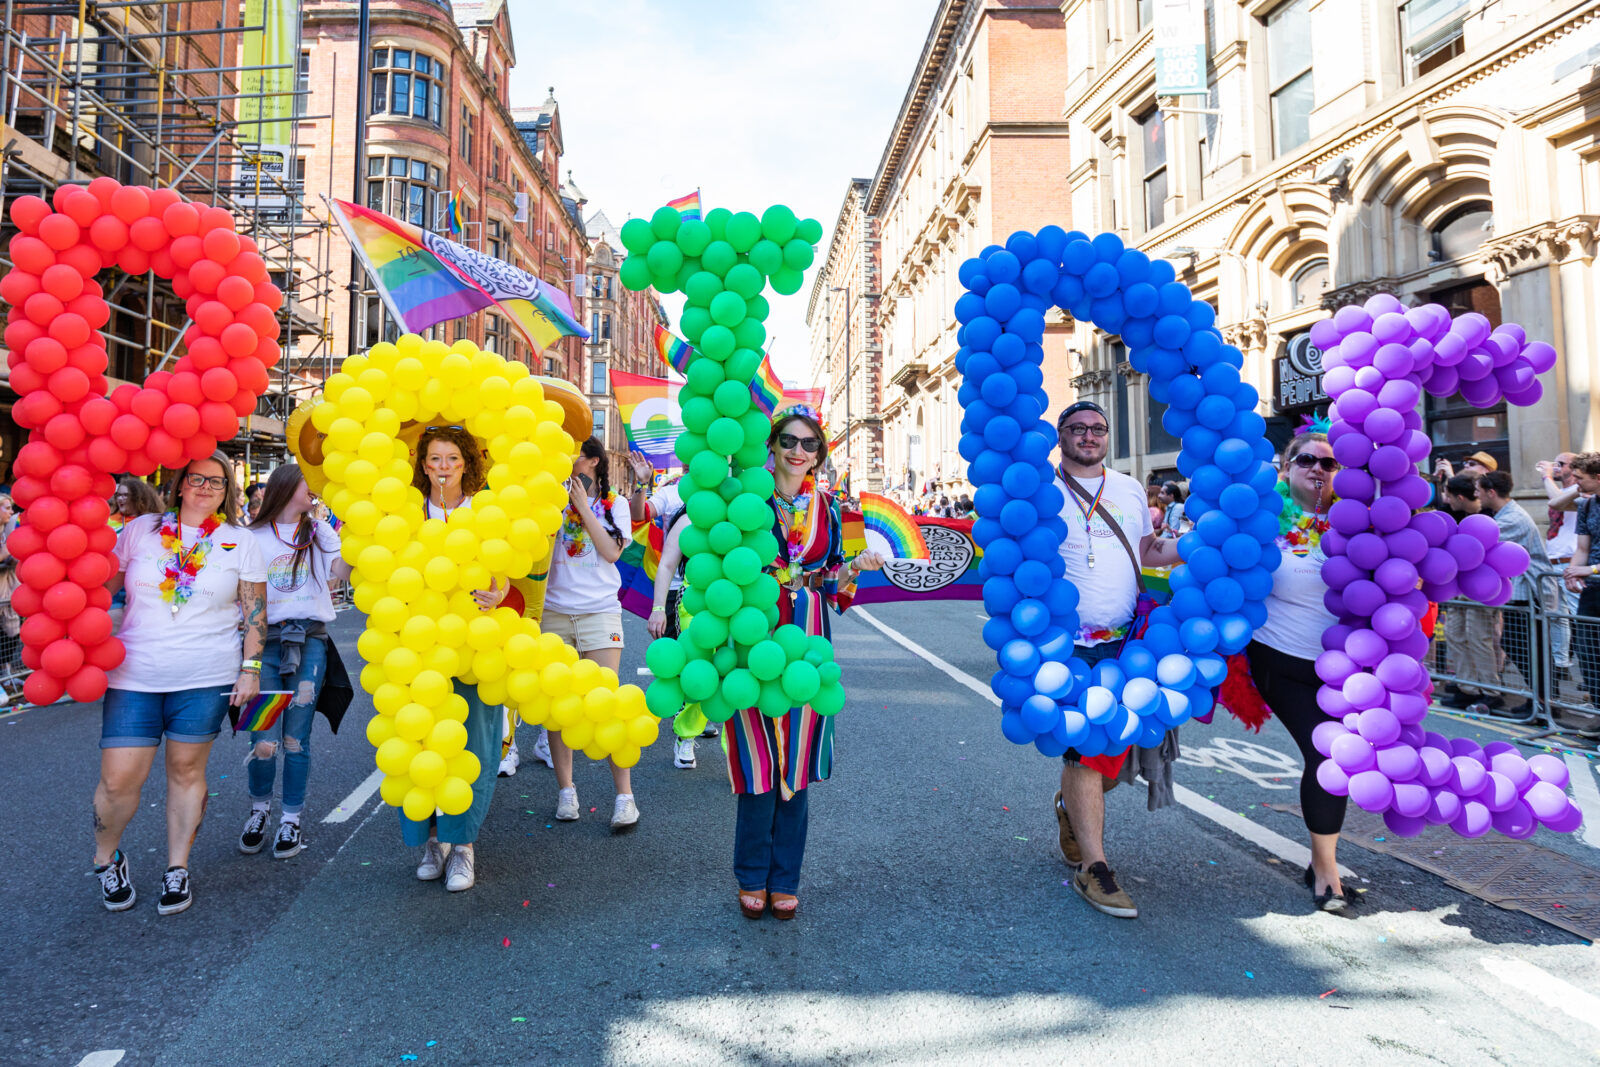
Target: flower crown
x,y
1315,423
809,412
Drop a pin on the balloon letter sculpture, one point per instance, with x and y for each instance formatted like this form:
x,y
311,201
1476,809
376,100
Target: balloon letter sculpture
x,y
1387,560
414,576
730,657
1050,698
79,438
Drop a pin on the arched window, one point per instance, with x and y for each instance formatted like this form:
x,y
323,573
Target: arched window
x,y
1459,233
1308,283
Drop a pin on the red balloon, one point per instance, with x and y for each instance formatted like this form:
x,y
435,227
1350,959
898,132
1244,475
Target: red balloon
x,y
249,265
186,252
69,384
69,483
205,275
212,218
61,658
212,316
38,459
147,234
18,286
34,410
40,630
83,208
130,432
46,355
21,333
218,419
218,384
59,231
24,379
64,600
90,570
199,446
131,203
89,512
41,571
181,219
268,352
26,491
181,421
41,307
107,656
42,688
97,415
102,484
102,539
93,308
270,295
108,233
164,448
185,388
69,329
62,282
100,597
122,396
161,264
67,542
30,658
234,292
89,358
32,254
237,340
26,601
88,684
25,540
242,403
251,374
64,431
161,199
47,512
107,455
133,260
148,406
27,212
91,627
261,320
207,354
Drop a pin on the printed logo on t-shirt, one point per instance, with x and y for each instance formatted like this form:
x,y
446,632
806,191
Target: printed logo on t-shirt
x,y
281,576
228,546
1099,527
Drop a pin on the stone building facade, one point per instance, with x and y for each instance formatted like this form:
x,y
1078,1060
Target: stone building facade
x,y
622,336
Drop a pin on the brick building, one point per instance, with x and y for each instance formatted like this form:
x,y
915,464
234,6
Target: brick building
x,y
622,336
439,122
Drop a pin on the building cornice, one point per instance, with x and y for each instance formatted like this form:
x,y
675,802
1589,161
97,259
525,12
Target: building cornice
x,y
1549,243
929,66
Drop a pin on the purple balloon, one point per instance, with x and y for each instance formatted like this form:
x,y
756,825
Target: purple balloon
x,y
1411,799
1352,450
1367,550
1332,778
1334,667
1409,708
1362,597
1541,357
1349,517
1398,673
1499,794
1400,393
1324,734
1379,304
1483,529
1389,324
1397,577
1413,490
1325,334
1566,822
1371,790
1473,821
1354,406
1351,318
1390,463
1437,566
1473,327
1468,777
1383,425
1526,397
1548,768
1389,514
1466,746
1403,825
1378,727
1507,559
1546,800
1467,550
1338,572
1352,754
1435,526
1399,761
1393,622
1407,544
1446,807
1394,360
1363,690
1479,583
1516,820
1365,649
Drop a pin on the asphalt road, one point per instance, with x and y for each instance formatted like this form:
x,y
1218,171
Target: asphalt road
x,y
936,925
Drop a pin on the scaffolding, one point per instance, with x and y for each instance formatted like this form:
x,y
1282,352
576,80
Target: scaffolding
x,y
145,93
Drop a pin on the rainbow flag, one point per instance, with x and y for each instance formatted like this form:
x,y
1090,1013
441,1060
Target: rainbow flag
x,y
638,564
425,279
767,388
673,349
811,398
688,205
262,712
895,525
951,572
650,414
454,217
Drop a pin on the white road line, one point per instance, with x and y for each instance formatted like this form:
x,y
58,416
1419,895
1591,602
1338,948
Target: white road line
x,y
106,1057
1562,996
646,671
352,803
1587,795
1275,843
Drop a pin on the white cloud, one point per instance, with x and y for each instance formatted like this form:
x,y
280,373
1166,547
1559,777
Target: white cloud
x,y
755,103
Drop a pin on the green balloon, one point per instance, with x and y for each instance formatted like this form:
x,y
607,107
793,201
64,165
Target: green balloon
x,y
744,230
692,650
741,566
706,508
778,223
767,660
766,256
744,280
808,230
821,645
792,640
635,270
724,659
723,598
816,658
772,617
702,569
708,630
664,283
693,236
699,679
690,268
724,538
687,445
665,657
798,255
665,222
748,626
664,258
750,513
729,489
733,400
718,342
703,287
787,281
773,702
719,258
753,454
764,545
707,468
727,309
741,689
694,602
829,699
758,480
750,333
725,437
693,541
717,222
763,592
716,709
665,695
757,307
800,682
703,377
742,365
637,236
698,414
693,323
829,673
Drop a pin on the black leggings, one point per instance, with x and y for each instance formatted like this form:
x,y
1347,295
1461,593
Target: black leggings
x,y
1289,686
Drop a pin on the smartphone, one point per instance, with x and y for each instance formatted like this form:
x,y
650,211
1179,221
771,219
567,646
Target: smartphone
x,y
588,482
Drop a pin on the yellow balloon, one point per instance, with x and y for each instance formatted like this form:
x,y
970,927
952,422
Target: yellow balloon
x,y
483,633
598,704
376,644
389,698
490,666
522,687
419,634
556,679
454,707
536,711
393,789
380,728
578,735
626,756
492,692
429,688
413,722
372,676
401,665
418,804
452,630
395,755
444,660
464,765
440,573
393,533
496,556
609,736
427,769
643,730
454,796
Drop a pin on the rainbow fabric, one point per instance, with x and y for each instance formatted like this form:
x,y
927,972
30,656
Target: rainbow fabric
x,y
637,565
767,388
688,205
425,279
891,522
454,217
811,398
673,349
953,574
650,414
262,712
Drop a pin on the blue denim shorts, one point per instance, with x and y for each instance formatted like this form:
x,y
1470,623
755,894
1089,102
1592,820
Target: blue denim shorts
x,y
138,720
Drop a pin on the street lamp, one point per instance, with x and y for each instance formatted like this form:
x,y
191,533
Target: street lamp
x,y
845,289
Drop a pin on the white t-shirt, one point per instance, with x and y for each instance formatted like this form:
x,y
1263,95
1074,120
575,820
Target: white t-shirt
x,y
1565,541
1109,591
581,582
304,595
203,646
1296,616
664,503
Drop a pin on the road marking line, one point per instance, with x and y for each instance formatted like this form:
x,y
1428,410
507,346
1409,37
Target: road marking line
x,y
352,803
646,670
1275,843
1585,792
1563,996
106,1057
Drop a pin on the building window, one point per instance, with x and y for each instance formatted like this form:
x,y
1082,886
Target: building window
x,y
407,83
1289,75
597,377
1459,233
1153,139
1431,34
496,238
1307,284
600,424
405,188
466,133
494,160
550,368
494,334
303,84
1146,10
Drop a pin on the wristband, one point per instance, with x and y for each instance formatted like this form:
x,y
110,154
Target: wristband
x,y
250,665
658,610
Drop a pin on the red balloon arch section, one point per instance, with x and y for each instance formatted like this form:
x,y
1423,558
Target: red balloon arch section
x,y
79,437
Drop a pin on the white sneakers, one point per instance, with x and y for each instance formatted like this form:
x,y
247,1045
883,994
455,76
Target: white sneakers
x,y
460,869
510,761
541,749
625,815
433,857
683,753
567,805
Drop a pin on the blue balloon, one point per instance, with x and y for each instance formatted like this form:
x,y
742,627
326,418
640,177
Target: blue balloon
x,y
1107,247
989,499
1101,280
1019,657
1198,634
1002,301
1162,640
1151,731
1171,331
1029,618
1068,291
1107,313
981,333
1033,579
985,530
1242,551
1185,391
1220,378
1176,671
980,366
1123,729
1238,501
1002,433
1040,276
1013,729
997,631
1174,709
1213,669
1206,564
1048,500
1053,680
1137,333
1190,603
999,389
1025,409
1050,241
1133,267
1002,268
1049,747
988,466
1235,456
1162,272
1062,597
1057,647
1009,349
1035,447
1030,378
1018,517
1201,314
1137,661
1028,324
1224,595
969,269
1002,555
1203,349
1072,729
1175,298
1201,441
1215,527
1000,595
1078,256
1233,633
1021,479
1039,713
968,307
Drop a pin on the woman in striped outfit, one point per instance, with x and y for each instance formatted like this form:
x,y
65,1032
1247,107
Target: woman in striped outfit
x,y
771,760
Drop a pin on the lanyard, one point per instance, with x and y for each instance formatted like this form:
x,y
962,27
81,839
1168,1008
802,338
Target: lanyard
x,y
1088,512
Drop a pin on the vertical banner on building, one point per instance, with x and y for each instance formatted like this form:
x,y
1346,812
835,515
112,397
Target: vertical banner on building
x,y
1180,45
266,100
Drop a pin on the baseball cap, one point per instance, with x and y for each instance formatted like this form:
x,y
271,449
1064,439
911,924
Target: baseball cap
x,y
1082,405
1485,460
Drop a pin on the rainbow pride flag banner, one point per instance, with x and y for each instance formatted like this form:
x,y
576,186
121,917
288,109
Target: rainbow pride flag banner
x,y
673,349
894,525
949,573
650,414
811,398
454,217
638,565
263,711
688,205
767,388
425,279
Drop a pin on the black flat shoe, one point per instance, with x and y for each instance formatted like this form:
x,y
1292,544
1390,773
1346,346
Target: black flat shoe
x,y
1331,901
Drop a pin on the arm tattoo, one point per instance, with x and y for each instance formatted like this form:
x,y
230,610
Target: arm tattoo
x,y
253,602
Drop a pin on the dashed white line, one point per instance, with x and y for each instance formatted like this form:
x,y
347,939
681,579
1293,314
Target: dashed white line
x,y
1587,795
106,1057
646,671
1562,996
351,804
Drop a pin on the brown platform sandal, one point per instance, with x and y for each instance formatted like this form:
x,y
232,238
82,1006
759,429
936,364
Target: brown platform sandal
x,y
790,899
757,895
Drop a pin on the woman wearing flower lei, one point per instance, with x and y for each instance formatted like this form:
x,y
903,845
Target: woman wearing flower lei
x,y
772,760
1282,657
189,574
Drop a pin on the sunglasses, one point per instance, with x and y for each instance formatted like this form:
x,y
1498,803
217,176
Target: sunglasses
x,y
201,481
789,440
1305,461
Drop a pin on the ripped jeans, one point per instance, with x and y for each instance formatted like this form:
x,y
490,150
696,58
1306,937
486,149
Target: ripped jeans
x,y
293,726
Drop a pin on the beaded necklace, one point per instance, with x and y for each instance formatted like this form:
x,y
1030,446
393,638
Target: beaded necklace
x,y
1300,531
572,529
797,515
181,567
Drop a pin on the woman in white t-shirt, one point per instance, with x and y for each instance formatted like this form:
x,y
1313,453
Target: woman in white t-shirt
x,y
302,554
1283,654
189,573
581,606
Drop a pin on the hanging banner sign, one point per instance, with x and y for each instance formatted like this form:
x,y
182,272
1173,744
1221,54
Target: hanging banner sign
x,y
1180,47
267,101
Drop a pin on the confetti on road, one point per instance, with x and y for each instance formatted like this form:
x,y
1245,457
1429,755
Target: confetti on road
x,y
1325,996
518,1019
432,1043
1382,938
1212,862
524,903
1020,838
1249,974
549,885
407,1056
655,946
1004,808
505,942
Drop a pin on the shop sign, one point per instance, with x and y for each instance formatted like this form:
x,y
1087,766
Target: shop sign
x,y
1297,375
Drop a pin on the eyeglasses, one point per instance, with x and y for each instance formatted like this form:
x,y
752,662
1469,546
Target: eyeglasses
x,y
789,440
1305,461
201,481
1080,429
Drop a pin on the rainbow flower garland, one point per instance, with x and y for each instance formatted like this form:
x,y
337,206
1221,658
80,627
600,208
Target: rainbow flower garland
x,y
572,531
182,567
1300,532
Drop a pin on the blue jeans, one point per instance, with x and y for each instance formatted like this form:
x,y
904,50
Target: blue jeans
x,y
129,719
293,726
769,840
485,727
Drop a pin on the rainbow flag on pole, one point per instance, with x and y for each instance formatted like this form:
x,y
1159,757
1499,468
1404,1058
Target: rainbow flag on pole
x,y
688,206
766,387
454,217
673,349
425,279
263,711
651,416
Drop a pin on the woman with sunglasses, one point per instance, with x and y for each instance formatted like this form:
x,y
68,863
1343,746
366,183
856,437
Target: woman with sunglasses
x,y
448,471
302,555
190,573
771,761
1282,657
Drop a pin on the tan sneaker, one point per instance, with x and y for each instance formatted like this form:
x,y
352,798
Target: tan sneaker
x,y
1098,885
1069,840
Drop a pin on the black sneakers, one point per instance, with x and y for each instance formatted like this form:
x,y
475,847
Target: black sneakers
x,y
175,893
116,888
288,842
255,831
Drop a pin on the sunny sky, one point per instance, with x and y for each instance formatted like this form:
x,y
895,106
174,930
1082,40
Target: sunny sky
x,y
754,102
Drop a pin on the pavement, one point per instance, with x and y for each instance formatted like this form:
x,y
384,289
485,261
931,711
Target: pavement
x,y
936,923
